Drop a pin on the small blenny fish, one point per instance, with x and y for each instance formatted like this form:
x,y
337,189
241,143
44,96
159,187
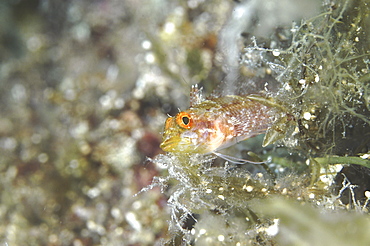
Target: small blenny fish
x,y
216,123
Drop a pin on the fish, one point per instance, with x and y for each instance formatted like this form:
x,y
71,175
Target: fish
x,y
215,123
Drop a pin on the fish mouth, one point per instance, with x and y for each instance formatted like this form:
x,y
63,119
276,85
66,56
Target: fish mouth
x,y
168,145
165,146
176,145
182,146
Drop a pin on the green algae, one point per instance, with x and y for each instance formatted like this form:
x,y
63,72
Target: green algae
x,y
323,86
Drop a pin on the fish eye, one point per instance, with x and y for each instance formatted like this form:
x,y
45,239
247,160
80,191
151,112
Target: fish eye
x,y
184,120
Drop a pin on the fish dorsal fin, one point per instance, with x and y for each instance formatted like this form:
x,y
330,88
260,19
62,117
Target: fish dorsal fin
x,y
196,96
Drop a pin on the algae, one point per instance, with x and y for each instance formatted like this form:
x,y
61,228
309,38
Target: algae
x,y
318,71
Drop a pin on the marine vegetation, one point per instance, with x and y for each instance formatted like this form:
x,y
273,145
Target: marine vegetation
x,y
307,89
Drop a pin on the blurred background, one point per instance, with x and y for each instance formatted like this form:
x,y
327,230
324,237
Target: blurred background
x,y
85,88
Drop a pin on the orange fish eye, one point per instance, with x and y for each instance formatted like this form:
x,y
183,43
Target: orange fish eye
x,y
184,120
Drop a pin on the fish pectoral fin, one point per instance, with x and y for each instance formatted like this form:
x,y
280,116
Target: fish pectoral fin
x,y
277,131
236,160
271,136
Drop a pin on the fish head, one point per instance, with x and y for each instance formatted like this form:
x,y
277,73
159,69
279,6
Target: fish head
x,y
191,132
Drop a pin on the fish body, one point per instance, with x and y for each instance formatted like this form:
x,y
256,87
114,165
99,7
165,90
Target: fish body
x,y
216,123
